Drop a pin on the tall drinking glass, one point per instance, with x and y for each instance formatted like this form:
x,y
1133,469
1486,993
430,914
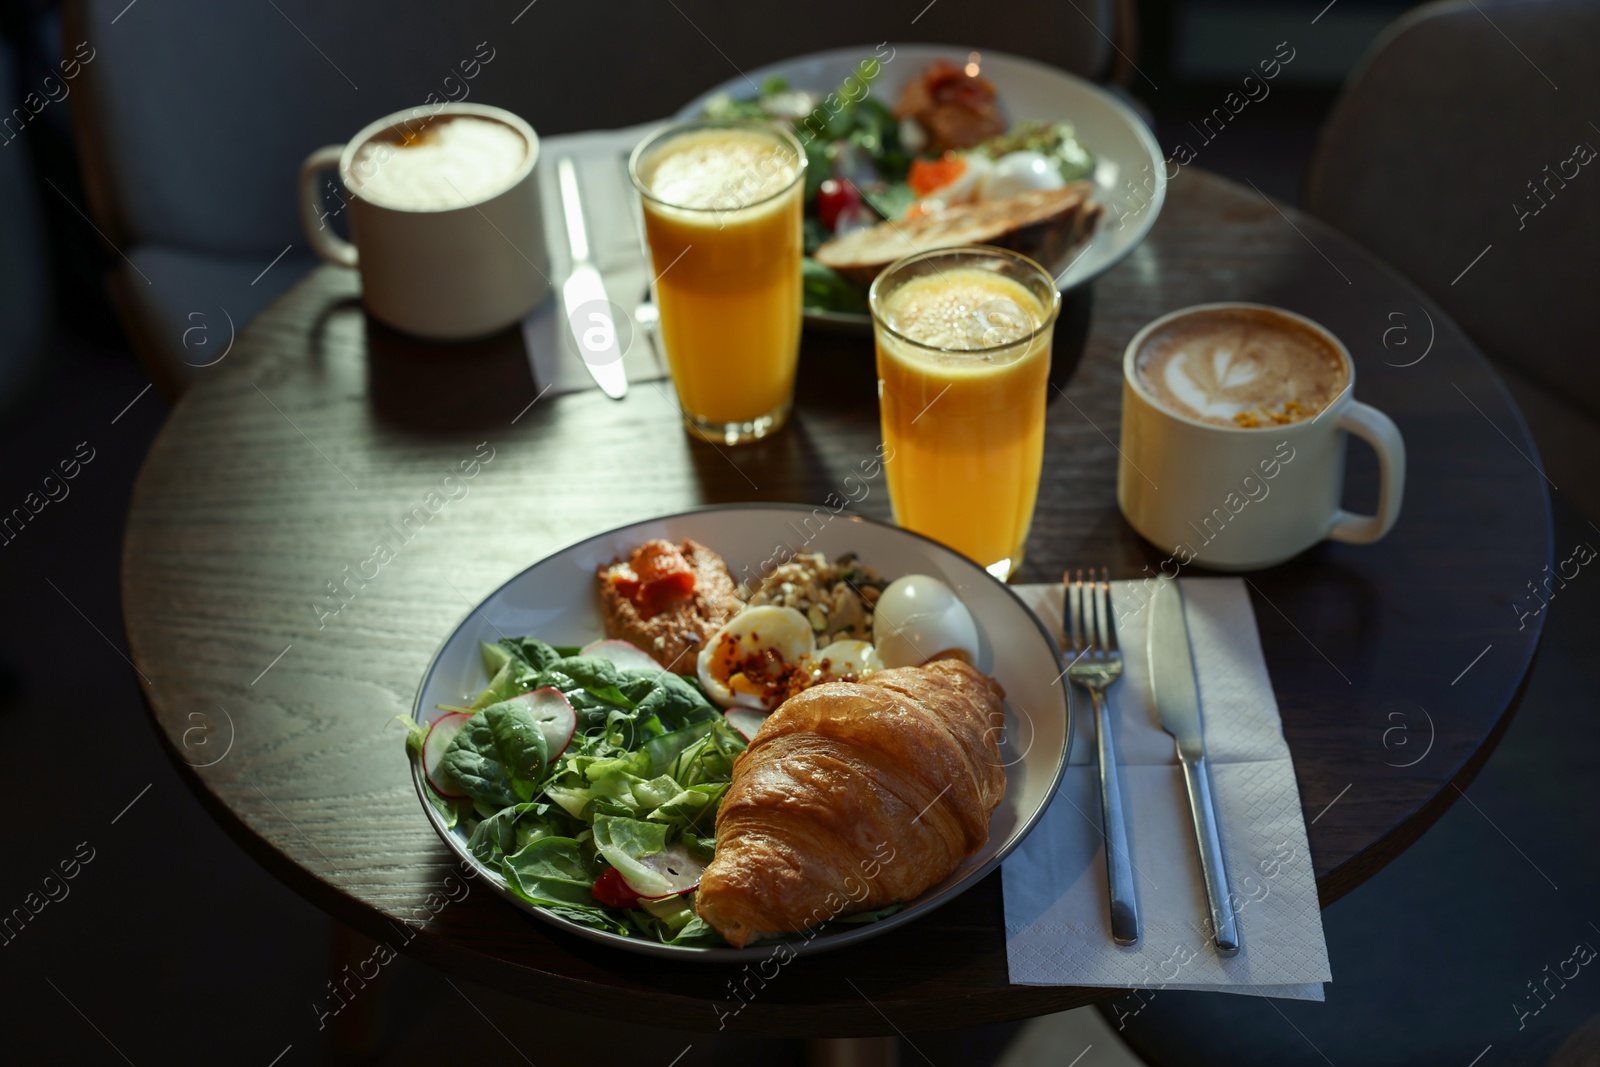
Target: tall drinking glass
x,y
722,213
963,338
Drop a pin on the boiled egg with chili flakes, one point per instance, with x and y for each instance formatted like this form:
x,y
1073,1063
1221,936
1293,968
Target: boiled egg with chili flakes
x,y
953,178
759,658
919,619
845,661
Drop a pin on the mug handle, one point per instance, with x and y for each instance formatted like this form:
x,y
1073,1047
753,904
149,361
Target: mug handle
x,y
1379,431
327,244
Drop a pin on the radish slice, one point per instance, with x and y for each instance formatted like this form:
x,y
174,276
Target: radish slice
x,y
623,655
440,734
745,720
677,865
556,719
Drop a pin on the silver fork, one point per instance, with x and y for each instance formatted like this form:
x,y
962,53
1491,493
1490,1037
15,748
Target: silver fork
x,y
1097,662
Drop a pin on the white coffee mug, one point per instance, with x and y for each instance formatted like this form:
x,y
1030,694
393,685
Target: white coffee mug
x,y
1240,499
447,273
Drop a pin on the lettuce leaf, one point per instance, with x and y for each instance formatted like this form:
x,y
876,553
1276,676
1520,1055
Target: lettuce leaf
x,y
624,842
503,686
551,870
664,750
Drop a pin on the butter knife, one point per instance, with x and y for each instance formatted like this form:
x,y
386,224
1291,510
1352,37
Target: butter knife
x,y
583,296
1177,696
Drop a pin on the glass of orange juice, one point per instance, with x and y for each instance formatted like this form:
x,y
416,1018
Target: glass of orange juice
x,y
963,338
722,214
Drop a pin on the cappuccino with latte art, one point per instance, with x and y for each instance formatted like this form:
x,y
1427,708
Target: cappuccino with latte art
x,y
1240,367
1217,399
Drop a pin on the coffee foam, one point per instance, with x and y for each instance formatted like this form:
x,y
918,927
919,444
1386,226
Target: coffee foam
x,y
1240,367
450,162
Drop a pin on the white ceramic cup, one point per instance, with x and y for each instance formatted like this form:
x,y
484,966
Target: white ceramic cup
x,y
1240,499
446,274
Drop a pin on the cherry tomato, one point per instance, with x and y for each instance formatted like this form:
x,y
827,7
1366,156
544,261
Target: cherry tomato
x,y
610,890
833,198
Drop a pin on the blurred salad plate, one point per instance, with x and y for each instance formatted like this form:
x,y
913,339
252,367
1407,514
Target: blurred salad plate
x,y
912,147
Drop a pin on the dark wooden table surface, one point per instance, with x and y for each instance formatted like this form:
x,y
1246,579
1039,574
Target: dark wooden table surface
x,y
1396,665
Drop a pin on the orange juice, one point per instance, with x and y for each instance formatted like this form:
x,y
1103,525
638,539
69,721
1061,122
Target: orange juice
x,y
963,369
722,211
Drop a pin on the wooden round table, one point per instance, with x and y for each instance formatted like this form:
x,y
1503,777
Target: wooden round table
x,y
1396,665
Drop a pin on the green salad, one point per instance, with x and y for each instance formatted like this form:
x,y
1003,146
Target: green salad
x,y
592,788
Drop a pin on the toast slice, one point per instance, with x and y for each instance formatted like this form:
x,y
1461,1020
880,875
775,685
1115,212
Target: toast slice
x,y
1044,224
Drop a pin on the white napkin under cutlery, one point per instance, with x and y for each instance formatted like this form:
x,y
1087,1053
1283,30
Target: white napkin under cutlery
x,y
1056,901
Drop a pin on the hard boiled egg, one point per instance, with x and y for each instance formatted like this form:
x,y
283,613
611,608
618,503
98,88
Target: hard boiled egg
x,y
758,658
918,619
966,185
1019,172
845,659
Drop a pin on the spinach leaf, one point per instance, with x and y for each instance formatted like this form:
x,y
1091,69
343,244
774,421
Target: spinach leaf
x,y
594,916
539,678
551,870
697,932
676,703
520,745
596,674
825,289
891,201
530,650
637,684
591,672
473,762
514,828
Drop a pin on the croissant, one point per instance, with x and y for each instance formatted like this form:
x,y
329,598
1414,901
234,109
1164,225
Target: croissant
x,y
853,796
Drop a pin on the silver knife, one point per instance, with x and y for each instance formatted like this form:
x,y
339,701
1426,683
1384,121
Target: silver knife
x,y
583,296
1178,703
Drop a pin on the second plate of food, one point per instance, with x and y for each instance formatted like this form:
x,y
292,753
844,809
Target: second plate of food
x,y
705,735
932,145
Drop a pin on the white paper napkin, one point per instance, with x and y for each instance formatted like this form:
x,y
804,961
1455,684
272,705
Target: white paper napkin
x,y
1056,901
615,244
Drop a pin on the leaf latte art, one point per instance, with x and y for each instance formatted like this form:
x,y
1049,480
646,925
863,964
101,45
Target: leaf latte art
x,y
1234,367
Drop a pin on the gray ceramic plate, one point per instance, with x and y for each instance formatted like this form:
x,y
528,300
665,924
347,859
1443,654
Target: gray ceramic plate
x,y
556,600
1130,178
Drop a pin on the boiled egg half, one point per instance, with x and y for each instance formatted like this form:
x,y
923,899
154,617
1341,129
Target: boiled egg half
x,y
1019,172
758,659
919,618
845,659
